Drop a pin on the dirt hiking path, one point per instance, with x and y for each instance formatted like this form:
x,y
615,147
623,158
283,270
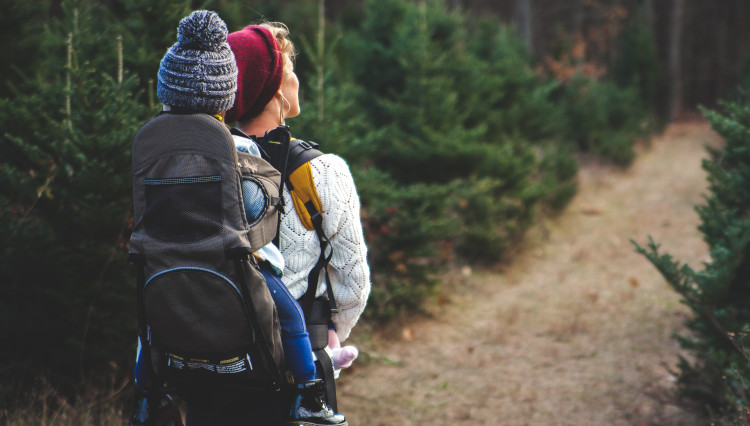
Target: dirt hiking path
x,y
575,331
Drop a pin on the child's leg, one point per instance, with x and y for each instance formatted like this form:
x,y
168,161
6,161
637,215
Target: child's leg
x,y
294,337
333,338
308,406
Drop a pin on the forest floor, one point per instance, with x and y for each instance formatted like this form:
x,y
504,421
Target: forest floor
x,y
575,329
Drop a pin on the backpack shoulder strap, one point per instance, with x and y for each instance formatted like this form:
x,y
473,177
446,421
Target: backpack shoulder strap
x,y
305,196
285,153
292,157
309,209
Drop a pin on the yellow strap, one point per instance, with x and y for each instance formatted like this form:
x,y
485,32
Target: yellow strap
x,y
304,191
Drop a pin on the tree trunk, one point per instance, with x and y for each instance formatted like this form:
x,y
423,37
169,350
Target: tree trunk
x,y
578,17
319,67
675,58
648,11
719,71
524,18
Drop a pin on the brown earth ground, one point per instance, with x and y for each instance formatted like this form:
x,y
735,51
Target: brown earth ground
x,y
576,330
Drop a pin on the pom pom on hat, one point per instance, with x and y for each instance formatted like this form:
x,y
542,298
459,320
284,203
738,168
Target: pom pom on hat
x,y
199,72
202,30
260,67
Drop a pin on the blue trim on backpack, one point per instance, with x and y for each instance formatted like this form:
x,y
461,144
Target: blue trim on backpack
x,y
173,181
195,268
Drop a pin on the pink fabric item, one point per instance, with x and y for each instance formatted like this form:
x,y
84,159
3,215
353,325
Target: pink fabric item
x,y
343,357
259,71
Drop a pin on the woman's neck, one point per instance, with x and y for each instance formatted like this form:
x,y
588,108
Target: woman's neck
x,y
258,126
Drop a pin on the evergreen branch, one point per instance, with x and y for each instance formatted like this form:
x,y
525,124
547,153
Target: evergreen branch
x,y
43,189
669,269
709,315
679,279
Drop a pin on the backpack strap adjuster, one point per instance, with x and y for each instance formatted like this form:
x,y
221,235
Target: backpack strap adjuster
x,y
238,253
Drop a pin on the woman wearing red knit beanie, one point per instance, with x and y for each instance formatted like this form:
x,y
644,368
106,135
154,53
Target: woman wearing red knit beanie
x,y
268,94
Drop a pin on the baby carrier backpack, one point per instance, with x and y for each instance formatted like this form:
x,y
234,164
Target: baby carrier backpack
x,y
292,158
206,317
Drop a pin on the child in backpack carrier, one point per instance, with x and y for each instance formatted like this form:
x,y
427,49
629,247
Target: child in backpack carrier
x,y
198,75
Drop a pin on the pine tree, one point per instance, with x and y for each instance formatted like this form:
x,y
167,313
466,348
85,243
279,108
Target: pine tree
x,y
65,192
463,109
716,379
148,30
21,25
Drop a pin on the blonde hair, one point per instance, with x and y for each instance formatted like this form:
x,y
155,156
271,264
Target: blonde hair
x,y
281,33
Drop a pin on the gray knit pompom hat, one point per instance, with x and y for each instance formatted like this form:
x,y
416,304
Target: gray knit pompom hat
x,y
198,72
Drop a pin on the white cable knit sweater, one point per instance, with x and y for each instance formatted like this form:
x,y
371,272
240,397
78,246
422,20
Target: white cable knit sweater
x,y
348,268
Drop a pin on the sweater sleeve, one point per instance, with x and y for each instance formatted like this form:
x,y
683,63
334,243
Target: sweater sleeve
x,y
348,269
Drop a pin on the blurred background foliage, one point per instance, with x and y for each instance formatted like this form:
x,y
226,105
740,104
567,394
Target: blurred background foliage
x,y
464,123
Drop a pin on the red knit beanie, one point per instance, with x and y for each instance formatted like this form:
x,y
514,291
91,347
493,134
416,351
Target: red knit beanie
x,y
259,71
